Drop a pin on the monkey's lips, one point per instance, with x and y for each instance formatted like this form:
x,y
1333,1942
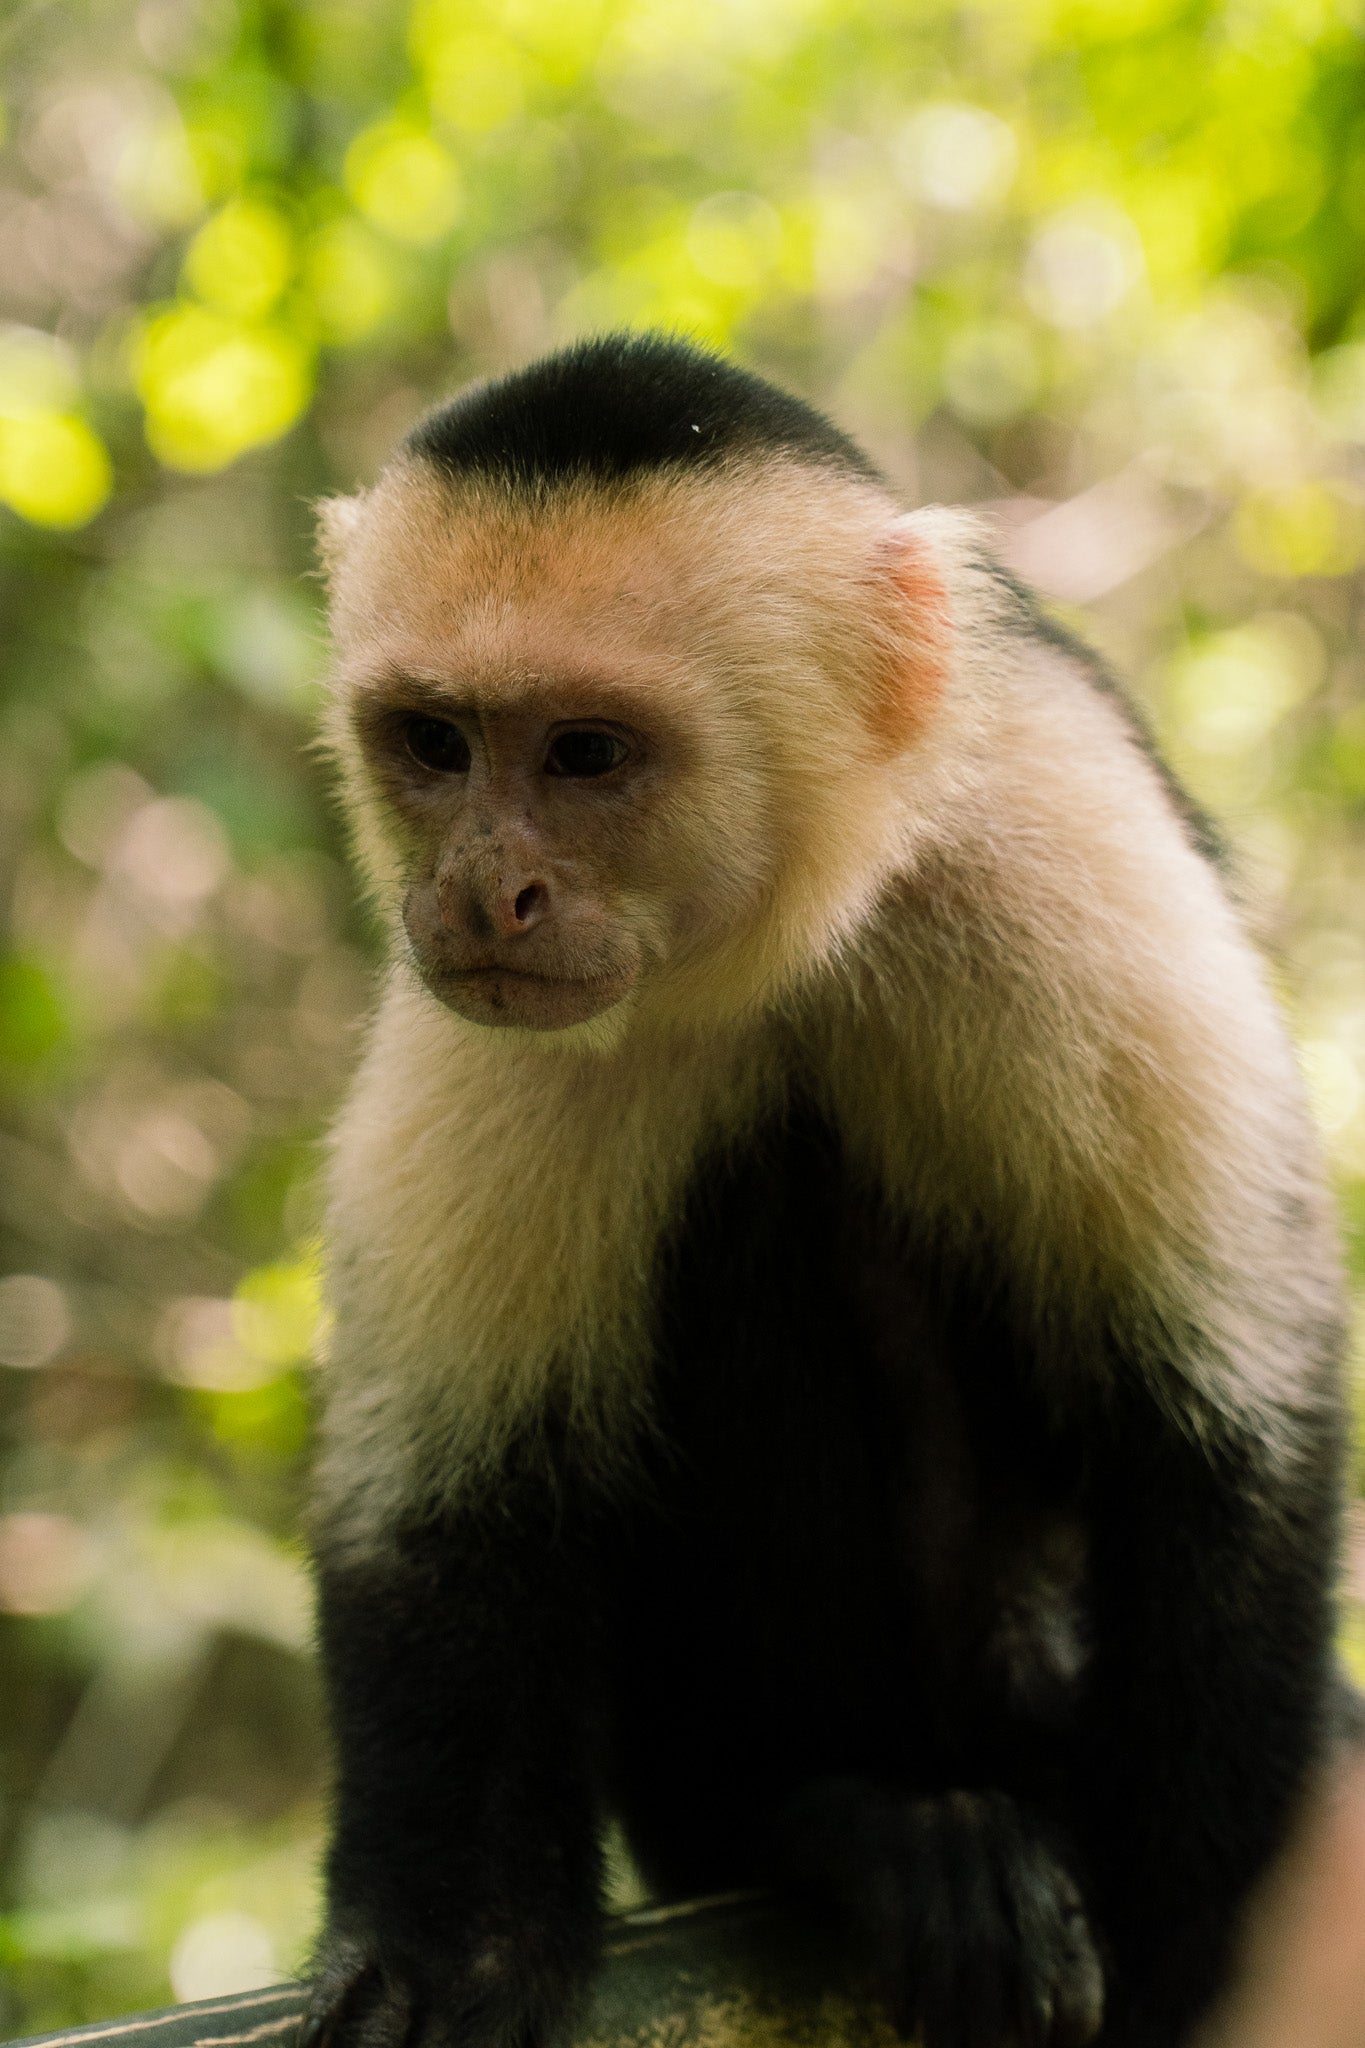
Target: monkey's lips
x,y
498,995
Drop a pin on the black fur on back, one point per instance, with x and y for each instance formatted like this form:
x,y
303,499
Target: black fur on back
x,y
621,405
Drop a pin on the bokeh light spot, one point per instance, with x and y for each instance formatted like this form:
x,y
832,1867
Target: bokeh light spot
x,y
1335,1088
155,174
197,1345
1348,751
95,807
46,1563
242,259
38,373
350,278
54,469
735,238
1311,529
269,643
175,850
35,1321
32,1019
1231,690
220,1953
1082,266
404,181
1339,384
956,157
214,387
233,1347
278,1312
166,1166
990,371
474,80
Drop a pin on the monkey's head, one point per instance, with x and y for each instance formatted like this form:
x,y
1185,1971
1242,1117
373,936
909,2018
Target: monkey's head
x,y
631,652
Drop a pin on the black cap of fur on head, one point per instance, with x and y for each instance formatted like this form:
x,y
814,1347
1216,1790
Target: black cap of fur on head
x,y
622,405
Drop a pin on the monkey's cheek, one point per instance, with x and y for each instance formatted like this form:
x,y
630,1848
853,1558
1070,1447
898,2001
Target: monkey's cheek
x,y
499,998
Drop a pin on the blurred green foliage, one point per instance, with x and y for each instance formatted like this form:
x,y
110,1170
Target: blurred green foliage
x,y
1095,266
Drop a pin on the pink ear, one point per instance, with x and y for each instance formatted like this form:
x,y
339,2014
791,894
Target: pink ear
x,y
915,669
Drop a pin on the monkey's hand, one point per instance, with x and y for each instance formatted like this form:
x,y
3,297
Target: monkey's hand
x,y
426,1986
974,1929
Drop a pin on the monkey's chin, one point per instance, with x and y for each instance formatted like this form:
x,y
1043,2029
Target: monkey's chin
x,y
502,998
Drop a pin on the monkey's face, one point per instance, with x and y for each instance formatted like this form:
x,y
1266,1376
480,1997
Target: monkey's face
x,y
611,749
532,759
520,819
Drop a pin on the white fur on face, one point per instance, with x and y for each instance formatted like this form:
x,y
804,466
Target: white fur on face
x,y
759,617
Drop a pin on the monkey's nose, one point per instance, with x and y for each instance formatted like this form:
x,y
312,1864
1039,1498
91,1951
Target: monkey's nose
x,y
515,909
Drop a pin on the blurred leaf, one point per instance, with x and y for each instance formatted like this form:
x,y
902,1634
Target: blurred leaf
x,y
1309,530
279,1311
351,278
405,181
214,386
240,261
269,1421
32,1023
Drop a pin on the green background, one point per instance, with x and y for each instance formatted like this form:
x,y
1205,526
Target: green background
x,y
1092,265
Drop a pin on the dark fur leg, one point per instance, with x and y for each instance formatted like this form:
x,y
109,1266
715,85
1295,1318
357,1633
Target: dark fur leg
x,y
968,1918
463,1877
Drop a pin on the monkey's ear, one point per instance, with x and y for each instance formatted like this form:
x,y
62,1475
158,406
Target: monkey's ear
x,y
918,654
337,521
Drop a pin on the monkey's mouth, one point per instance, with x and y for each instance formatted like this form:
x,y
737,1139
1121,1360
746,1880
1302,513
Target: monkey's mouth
x,y
497,995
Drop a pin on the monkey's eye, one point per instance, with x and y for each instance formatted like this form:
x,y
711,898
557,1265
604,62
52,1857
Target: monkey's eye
x,y
585,752
437,745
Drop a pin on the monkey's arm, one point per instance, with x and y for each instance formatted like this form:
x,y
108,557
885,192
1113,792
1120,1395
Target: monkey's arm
x,y
463,1875
1083,1072
1209,1695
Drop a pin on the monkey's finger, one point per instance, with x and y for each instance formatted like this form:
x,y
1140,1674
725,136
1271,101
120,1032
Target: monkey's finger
x,y
385,2016
343,1968
1079,1990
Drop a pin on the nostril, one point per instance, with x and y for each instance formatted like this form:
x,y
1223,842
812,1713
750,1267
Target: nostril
x,y
528,902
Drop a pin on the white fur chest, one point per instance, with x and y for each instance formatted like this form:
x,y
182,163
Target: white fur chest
x,y
494,1216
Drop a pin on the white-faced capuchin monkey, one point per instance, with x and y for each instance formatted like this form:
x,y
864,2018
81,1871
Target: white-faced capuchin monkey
x,y
838,1326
